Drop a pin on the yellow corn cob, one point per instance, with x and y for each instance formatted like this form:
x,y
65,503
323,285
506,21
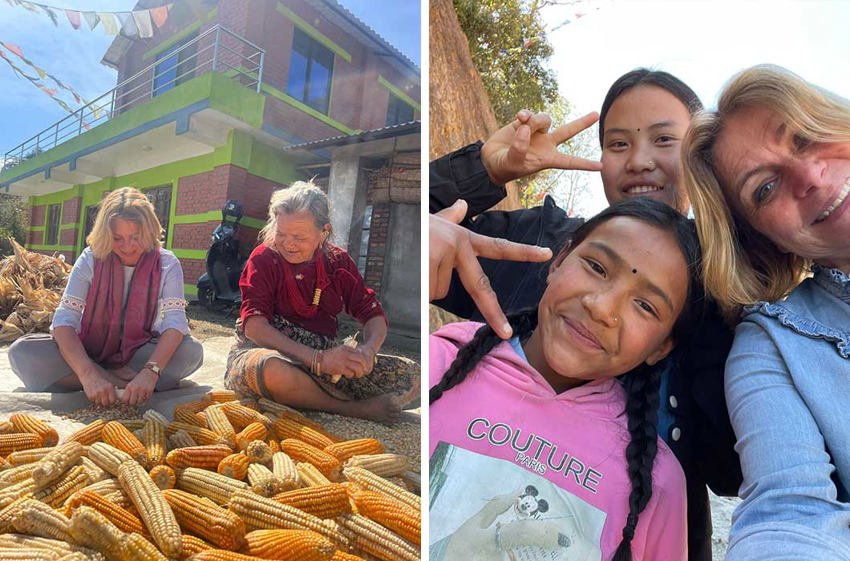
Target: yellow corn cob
x,y
285,469
221,555
108,489
191,545
295,416
163,476
149,502
289,545
154,441
371,482
29,456
60,489
90,433
263,481
218,423
273,407
200,435
18,441
241,416
259,452
385,465
252,431
56,548
390,513
108,457
216,487
372,538
24,488
53,464
9,513
206,457
235,466
289,428
347,448
324,501
180,439
26,554
351,487
261,513
4,465
92,529
7,427
155,416
250,403
24,422
220,396
190,418
117,435
16,474
193,406
274,445
136,548
206,519
131,424
38,519
123,519
310,476
302,452
345,556
95,472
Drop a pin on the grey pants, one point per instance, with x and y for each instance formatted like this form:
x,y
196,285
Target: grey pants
x,y
36,360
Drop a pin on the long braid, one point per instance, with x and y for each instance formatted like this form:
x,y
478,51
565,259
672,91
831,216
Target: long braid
x,y
482,342
642,409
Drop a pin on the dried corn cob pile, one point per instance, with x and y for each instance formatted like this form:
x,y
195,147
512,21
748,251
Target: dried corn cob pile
x,y
227,479
31,285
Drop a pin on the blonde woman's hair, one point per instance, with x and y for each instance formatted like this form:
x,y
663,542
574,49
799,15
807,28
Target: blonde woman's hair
x,y
742,266
128,204
301,196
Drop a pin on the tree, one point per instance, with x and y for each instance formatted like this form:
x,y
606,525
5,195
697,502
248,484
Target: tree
x,y
569,188
13,221
509,49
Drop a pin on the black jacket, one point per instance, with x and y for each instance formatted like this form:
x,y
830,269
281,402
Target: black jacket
x,y
701,436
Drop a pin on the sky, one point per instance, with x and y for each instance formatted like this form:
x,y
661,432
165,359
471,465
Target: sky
x,y
73,56
701,42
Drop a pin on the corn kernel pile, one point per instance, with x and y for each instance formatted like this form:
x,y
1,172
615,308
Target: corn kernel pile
x,y
227,479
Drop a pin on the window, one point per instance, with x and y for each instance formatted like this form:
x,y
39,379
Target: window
x,y
91,214
174,68
363,252
160,198
310,70
53,212
398,111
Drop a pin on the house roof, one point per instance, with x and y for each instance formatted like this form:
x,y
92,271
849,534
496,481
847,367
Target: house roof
x,y
331,9
364,136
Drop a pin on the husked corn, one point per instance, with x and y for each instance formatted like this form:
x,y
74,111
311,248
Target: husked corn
x,y
53,464
289,545
206,519
348,448
24,422
154,510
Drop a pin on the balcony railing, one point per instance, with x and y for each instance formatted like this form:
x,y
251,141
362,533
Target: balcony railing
x,y
215,50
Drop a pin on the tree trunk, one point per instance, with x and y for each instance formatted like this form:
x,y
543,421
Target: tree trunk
x,y
460,110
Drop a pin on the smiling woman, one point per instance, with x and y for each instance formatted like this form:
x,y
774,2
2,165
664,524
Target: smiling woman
x,y
768,174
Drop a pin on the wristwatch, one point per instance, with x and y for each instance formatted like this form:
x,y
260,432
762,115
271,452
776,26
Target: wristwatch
x,y
153,367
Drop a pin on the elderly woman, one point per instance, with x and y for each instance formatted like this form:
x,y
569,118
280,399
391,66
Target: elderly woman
x,y
769,175
294,286
121,322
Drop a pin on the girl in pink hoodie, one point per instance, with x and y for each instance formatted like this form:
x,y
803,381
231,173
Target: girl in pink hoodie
x,y
569,406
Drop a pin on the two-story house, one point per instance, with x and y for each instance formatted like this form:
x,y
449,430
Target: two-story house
x,y
232,99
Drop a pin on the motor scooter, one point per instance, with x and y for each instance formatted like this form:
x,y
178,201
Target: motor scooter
x,y
220,283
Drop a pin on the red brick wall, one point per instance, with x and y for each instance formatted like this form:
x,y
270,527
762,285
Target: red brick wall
x,y
37,215
192,269
68,236
377,246
35,238
71,210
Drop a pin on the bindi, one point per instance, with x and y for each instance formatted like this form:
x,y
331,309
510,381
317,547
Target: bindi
x,y
638,130
634,271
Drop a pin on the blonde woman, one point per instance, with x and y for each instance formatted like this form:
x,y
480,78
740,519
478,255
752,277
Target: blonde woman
x,y
294,286
769,176
121,322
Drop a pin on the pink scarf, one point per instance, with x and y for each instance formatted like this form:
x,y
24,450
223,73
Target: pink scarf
x,y
107,340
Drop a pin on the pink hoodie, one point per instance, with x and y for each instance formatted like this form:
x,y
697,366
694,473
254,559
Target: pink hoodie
x,y
511,419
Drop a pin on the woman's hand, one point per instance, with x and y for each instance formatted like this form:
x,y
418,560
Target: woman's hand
x,y
98,389
368,357
344,361
140,388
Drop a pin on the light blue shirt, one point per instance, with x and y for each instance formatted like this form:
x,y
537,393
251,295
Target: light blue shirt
x,y
171,307
788,391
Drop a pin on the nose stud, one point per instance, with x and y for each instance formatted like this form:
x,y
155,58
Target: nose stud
x,y
615,320
651,164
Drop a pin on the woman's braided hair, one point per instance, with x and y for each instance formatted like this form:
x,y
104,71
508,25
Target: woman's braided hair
x,y
641,383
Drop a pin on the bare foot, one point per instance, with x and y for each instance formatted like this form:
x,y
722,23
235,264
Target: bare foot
x,y
384,409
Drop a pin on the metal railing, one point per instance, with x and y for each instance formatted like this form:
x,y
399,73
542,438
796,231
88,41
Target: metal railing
x,y
215,50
